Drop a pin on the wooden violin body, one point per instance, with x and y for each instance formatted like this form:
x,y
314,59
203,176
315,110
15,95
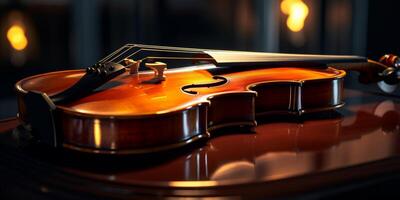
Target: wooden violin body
x,y
129,116
132,116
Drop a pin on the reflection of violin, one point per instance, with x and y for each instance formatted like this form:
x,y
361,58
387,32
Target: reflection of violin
x,y
278,150
108,110
283,149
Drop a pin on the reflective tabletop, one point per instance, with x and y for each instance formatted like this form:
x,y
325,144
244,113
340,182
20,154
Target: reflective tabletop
x,y
365,132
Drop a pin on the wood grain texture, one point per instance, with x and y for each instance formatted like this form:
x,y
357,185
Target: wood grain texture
x,y
127,114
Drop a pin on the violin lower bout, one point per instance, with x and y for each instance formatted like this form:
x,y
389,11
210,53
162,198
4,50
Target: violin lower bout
x,y
172,130
236,103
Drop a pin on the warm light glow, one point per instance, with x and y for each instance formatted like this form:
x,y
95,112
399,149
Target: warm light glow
x,y
97,132
237,170
192,183
17,38
297,12
286,6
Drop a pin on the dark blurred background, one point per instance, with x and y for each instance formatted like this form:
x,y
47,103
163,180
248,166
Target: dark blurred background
x,y
46,35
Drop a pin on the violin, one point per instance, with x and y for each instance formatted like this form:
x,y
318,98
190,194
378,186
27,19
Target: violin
x,y
118,106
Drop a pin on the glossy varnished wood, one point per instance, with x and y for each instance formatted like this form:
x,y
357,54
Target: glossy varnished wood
x,y
128,116
285,156
127,96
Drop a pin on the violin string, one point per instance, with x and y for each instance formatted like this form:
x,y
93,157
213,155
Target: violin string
x,y
111,54
130,47
127,47
177,58
119,55
135,52
156,50
171,48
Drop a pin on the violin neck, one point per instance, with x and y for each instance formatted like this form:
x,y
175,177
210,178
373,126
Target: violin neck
x,y
370,70
232,58
222,57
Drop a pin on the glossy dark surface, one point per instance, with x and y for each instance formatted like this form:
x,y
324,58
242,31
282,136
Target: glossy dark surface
x,y
360,140
362,132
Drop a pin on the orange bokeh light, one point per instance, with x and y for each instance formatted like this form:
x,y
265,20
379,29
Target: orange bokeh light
x,y
17,37
297,12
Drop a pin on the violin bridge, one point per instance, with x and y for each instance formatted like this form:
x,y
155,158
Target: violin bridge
x,y
133,65
158,68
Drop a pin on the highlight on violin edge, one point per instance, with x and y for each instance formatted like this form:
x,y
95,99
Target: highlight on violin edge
x,y
117,107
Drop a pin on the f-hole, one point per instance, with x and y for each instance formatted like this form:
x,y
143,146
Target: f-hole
x,y
221,81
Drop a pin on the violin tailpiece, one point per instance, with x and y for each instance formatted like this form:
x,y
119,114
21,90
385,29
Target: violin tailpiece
x,y
94,77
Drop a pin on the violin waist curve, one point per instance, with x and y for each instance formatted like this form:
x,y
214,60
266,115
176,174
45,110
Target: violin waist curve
x,y
126,116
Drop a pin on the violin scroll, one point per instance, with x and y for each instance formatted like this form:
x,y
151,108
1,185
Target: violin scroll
x,y
385,72
391,75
